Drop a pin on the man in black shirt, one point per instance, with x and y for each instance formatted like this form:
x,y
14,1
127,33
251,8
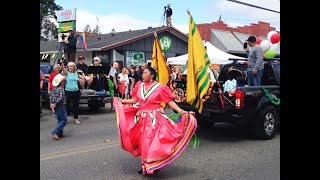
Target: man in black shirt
x,y
169,14
140,71
83,67
70,46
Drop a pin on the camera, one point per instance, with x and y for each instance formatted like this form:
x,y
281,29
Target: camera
x,y
245,45
63,36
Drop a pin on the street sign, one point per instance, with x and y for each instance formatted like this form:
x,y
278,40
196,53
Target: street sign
x,y
215,66
65,26
165,43
66,15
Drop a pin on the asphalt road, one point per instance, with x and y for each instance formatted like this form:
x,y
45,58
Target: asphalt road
x,y
91,150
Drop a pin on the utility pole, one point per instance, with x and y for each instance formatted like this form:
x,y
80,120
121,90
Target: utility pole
x,y
51,31
98,25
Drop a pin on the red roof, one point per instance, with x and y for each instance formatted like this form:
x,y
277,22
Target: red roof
x,y
259,29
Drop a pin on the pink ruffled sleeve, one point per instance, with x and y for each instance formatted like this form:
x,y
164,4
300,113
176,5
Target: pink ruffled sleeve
x,y
166,95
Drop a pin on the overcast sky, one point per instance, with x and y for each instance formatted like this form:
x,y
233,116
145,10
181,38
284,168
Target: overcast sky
x,y
123,15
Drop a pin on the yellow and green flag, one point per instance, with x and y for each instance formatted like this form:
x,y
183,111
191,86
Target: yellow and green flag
x,y
198,61
159,62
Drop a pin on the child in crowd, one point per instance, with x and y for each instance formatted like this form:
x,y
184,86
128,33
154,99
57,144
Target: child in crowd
x,y
57,105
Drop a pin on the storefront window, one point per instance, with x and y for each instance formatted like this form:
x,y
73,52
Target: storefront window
x,y
135,58
118,57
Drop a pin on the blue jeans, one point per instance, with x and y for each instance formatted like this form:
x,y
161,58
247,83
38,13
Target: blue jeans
x,y
61,114
254,80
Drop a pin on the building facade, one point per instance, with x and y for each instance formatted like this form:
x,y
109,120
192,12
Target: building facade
x,y
231,40
259,29
126,48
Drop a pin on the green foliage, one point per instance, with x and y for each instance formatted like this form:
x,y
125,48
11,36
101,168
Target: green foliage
x,y
47,11
87,29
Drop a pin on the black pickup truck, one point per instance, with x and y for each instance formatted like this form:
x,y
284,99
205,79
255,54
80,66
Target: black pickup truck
x,y
256,106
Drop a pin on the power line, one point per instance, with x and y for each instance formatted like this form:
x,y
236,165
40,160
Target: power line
x,y
251,5
253,19
257,19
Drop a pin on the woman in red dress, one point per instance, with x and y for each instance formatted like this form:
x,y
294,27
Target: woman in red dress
x,y
146,131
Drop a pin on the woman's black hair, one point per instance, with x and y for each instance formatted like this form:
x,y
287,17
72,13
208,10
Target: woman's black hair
x,y
152,71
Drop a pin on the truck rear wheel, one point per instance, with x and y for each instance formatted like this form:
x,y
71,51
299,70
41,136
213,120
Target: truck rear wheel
x,y
204,121
266,124
94,106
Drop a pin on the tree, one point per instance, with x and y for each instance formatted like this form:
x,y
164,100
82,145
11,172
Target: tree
x,y
49,30
96,30
47,12
87,29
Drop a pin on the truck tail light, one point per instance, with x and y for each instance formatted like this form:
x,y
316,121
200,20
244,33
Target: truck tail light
x,y
239,99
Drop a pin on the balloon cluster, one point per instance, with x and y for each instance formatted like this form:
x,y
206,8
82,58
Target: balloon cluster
x,y
269,46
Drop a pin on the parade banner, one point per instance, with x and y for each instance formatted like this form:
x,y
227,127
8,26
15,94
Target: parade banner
x,y
198,61
159,62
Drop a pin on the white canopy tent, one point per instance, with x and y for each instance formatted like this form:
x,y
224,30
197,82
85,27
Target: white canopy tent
x,y
215,55
179,60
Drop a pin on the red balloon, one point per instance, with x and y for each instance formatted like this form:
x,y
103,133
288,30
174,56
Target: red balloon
x,y
258,40
275,38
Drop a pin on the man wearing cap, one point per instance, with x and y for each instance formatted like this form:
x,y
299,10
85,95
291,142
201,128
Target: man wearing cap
x,y
255,63
70,46
96,62
169,14
94,77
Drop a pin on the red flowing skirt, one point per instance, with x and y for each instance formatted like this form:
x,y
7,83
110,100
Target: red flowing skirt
x,y
152,135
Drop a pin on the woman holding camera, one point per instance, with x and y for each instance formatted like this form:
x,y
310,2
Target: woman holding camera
x,y
72,88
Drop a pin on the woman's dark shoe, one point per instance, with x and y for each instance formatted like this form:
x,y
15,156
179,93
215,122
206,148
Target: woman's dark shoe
x,y
154,172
